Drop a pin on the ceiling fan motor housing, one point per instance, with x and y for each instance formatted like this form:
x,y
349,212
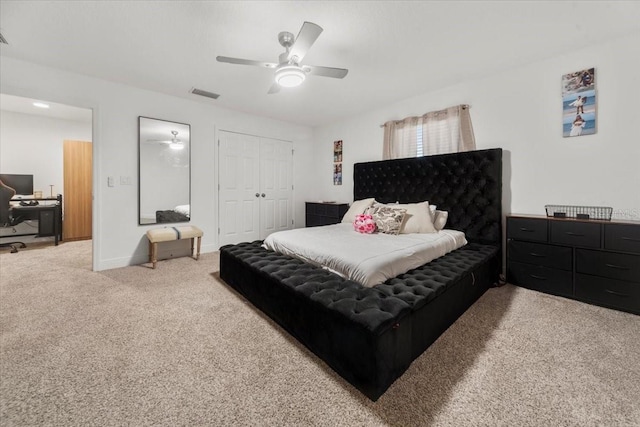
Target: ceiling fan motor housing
x,y
286,39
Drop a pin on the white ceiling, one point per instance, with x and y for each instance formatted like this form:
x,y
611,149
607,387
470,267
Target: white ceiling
x,y
56,111
393,50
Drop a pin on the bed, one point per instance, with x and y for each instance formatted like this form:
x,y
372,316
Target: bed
x,y
180,213
370,335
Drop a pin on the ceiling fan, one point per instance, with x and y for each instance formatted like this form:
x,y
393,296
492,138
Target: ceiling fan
x,y
288,71
174,143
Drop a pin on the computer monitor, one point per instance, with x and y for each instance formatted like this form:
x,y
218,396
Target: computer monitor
x,y
23,184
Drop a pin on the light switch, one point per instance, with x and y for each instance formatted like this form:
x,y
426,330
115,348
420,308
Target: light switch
x,y
110,181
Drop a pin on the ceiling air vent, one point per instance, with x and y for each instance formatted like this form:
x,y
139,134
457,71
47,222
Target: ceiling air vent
x,y
204,93
3,40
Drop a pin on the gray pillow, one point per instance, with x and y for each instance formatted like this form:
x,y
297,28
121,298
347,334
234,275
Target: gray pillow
x,y
388,220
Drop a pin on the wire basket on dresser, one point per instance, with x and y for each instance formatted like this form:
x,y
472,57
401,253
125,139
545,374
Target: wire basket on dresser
x,y
579,212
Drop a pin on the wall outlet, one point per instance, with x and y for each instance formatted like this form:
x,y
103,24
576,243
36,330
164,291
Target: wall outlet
x,y
125,180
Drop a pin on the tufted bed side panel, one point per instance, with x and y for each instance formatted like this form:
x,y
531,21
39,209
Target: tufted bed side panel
x,y
361,334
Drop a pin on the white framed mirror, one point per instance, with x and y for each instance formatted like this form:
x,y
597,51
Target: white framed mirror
x,y
164,181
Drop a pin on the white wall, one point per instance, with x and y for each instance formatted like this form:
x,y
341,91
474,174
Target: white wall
x,y
118,239
33,145
520,110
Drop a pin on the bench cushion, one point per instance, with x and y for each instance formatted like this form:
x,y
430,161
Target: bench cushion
x,y
167,234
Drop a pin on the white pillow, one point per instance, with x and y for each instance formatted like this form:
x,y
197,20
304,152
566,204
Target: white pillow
x,y
183,209
418,218
440,219
357,208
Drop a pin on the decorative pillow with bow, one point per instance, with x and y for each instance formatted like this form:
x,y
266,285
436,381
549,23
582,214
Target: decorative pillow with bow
x,y
364,224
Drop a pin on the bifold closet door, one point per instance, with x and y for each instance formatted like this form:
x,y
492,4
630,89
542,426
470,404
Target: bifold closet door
x,y
276,210
239,188
255,187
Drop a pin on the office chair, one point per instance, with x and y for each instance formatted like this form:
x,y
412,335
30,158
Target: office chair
x,y
6,220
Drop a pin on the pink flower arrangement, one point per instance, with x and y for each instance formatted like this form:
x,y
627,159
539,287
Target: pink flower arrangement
x,y
364,224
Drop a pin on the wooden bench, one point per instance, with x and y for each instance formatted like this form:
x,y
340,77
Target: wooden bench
x,y
167,234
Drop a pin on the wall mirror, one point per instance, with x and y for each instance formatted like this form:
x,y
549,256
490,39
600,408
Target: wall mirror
x,y
164,181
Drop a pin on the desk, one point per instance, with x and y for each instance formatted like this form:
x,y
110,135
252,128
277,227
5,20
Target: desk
x,y
49,217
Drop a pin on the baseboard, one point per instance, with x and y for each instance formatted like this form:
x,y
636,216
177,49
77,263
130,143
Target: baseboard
x,y
108,264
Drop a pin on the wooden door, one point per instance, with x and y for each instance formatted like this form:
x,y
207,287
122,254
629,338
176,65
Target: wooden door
x,y
77,197
239,188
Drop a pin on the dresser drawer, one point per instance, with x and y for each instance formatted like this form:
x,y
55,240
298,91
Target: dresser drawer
x,y
316,209
608,264
559,257
334,210
575,234
527,229
551,280
622,237
609,292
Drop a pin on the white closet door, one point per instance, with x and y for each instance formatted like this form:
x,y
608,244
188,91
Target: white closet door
x,y
239,190
255,187
276,206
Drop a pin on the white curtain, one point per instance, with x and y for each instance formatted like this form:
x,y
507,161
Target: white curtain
x,y
437,132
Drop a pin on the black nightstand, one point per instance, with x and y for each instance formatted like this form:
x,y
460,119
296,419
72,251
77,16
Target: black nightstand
x,y
597,262
317,213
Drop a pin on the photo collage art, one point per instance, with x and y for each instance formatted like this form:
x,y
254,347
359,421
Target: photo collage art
x,y
579,103
337,162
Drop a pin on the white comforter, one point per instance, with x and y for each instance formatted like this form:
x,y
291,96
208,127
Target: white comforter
x,y
368,259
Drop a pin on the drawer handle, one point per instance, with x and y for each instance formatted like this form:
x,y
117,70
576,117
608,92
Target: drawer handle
x,y
631,239
570,233
617,267
537,255
528,230
538,277
620,294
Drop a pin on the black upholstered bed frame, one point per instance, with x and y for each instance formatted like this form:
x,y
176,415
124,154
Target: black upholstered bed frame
x,y
370,336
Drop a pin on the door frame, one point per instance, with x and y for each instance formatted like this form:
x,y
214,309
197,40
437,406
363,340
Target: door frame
x,y
95,140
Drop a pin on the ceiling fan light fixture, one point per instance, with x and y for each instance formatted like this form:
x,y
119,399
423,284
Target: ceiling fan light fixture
x,y
290,76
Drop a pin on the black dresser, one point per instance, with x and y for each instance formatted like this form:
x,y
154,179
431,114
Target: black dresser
x,y
317,213
597,262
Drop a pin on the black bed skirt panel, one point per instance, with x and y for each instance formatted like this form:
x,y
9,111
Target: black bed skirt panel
x,y
369,336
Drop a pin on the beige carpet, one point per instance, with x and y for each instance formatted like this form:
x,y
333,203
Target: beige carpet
x,y
175,346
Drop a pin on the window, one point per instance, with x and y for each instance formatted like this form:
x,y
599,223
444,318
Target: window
x,y
437,132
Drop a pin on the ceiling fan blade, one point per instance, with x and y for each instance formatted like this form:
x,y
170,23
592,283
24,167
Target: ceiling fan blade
x,y
246,62
306,37
336,73
275,88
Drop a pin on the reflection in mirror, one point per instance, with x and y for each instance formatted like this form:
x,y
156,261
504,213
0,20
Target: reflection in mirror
x,y
164,171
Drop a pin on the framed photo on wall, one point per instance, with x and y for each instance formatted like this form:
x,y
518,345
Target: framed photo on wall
x,y
337,162
579,103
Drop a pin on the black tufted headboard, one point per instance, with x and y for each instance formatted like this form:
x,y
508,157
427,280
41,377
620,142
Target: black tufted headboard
x,y
467,184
